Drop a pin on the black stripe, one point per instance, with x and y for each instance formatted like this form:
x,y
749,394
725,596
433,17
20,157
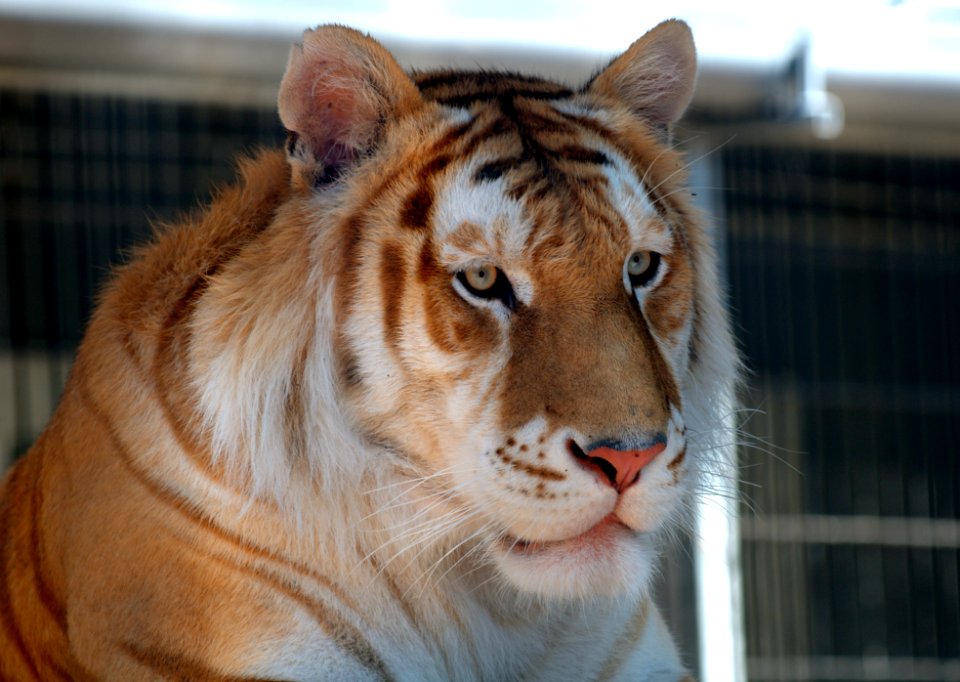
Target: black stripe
x,y
463,100
488,81
543,124
495,169
532,148
583,155
497,127
416,209
393,280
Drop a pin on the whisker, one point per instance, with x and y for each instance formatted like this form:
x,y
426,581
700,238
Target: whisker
x,y
432,524
643,180
414,482
426,575
403,503
445,494
437,530
689,164
432,538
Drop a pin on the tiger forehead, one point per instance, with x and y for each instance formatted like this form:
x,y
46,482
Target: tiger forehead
x,y
534,159
535,122
569,192
545,148
524,169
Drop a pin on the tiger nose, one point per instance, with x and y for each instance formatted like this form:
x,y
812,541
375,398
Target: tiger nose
x,y
615,464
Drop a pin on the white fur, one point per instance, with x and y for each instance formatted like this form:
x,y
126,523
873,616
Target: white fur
x,y
412,481
430,541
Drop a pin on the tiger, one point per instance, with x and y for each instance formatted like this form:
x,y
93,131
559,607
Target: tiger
x,y
420,396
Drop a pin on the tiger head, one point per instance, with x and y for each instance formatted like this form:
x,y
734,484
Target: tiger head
x,y
522,305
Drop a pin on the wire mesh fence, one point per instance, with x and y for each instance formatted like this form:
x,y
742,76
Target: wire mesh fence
x,y
83,179
844,270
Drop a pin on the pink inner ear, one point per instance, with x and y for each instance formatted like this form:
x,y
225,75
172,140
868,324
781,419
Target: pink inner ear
x,y
327,104
656,75
335,125
339,87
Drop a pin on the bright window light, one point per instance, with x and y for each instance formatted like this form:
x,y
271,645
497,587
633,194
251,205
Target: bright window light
x,y
926,34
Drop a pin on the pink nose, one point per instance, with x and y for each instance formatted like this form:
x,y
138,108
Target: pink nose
x,y
621,468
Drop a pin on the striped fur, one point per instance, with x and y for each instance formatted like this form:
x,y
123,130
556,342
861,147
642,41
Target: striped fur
x,y
296,445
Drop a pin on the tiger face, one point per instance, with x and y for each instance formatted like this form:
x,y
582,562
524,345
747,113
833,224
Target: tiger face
x,y
529,345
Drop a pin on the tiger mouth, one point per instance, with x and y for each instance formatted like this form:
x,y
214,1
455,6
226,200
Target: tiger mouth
x,y
603,535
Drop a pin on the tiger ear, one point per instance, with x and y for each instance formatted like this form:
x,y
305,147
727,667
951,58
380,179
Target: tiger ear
x,y
655,77
339,88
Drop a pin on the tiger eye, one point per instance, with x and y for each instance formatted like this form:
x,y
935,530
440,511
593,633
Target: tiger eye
x,y
639,263
642,267
487,282
482,277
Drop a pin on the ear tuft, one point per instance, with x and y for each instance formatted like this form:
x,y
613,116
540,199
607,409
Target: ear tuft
x,y
339,89
655,77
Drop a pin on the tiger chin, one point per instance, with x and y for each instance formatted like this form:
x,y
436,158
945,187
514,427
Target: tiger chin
x,y
415,399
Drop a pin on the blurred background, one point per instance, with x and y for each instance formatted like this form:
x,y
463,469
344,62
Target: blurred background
x,y
824,140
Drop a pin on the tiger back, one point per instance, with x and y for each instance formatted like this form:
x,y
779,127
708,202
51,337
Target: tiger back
x,y
413,400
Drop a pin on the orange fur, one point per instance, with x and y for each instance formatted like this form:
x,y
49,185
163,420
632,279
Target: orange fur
x,y
295,445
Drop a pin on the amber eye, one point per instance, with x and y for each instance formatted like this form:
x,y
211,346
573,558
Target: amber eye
x,y
642,267
488,282
481,278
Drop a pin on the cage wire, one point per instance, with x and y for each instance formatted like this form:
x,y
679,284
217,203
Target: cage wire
x,y
843,270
